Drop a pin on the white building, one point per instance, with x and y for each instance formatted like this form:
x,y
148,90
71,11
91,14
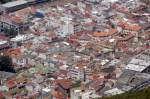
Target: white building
x,y
113,91
79,74
77,27
66,28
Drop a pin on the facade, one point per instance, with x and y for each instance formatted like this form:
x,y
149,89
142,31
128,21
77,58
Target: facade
x,y
76,74
66,28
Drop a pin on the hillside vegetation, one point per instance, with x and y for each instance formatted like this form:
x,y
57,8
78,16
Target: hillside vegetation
x,y
143,94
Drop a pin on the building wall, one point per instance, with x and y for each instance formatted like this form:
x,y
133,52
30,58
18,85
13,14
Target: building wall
x,y
75,74
66,29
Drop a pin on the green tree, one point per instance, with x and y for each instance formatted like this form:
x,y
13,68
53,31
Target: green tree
x,y
5,1
10,32
6,64
143,94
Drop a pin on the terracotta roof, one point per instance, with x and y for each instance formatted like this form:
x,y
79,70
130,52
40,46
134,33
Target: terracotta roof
x,y
26,11
2,37
127,26
147,33
81,65
132,27
96,84
57,94
18,97
121,44
66,84
10,84
104,34
89,24
100,34
120,8
13,52
112,31
17,19
94,77
1,95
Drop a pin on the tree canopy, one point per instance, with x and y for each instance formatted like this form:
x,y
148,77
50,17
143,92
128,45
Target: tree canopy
x,y
5,1
10,32
6,64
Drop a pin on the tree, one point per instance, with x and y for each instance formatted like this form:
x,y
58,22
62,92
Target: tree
x,y
5,1
10,32
6,64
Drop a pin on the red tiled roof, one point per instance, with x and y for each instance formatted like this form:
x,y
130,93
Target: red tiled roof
x,y
90,24
120,8
96,84
2,37
1,95
147,33
16,19
127,26
10,84
81,65
104,34
18,97
16,52
100,34
57,94
132,27
65,83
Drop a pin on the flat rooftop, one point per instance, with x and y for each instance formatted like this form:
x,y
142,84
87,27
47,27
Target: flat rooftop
x,y
14,3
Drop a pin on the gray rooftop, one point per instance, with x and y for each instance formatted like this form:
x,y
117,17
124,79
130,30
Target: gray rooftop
x,y
14,3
